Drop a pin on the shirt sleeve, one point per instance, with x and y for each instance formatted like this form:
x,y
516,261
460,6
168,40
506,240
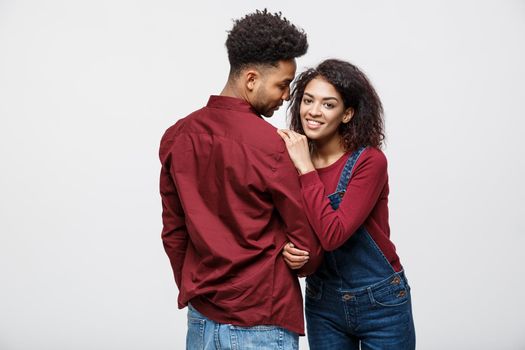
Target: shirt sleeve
x,y
286,195
334,227
174,232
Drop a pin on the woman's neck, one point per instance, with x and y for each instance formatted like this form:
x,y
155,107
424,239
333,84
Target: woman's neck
x,y
327,153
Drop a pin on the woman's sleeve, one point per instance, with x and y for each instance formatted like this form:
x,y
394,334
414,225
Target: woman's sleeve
x,y
334,227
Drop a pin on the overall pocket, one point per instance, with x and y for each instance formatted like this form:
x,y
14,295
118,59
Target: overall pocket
x,y
392,295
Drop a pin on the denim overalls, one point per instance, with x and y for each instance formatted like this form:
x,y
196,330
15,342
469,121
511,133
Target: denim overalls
x,y
356,298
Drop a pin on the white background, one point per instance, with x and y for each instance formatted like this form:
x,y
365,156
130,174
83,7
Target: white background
x,y
88,87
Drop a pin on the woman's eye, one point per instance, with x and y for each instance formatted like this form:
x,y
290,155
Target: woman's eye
x,y
307,101
329,105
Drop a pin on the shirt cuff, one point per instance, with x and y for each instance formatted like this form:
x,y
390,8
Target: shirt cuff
x,y
309,179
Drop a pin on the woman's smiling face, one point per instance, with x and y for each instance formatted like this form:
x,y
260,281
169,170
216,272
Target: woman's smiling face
x,y
322,111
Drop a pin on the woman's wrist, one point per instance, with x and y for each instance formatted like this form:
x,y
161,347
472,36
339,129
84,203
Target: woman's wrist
x,y
305,169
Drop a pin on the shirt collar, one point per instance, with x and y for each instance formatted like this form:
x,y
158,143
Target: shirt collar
x,y
231,103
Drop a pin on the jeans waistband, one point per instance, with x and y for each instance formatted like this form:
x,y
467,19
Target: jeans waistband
x,y
394,279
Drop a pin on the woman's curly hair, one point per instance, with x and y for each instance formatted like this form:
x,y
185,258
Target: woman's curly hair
x,y
366,128
264,38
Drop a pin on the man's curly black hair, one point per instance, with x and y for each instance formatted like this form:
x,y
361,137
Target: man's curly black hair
x,y
264,38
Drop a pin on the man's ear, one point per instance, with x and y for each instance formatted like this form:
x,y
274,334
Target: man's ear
x,y
349,113
251,78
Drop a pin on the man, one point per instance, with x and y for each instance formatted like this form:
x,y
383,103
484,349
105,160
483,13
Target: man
x,y
231,199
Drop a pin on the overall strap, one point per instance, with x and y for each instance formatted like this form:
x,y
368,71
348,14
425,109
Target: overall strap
x,y
344,179
346,174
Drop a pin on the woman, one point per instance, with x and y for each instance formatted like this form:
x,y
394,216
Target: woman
x,y
359,297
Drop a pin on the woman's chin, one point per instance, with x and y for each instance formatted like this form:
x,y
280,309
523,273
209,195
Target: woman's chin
x,y
312,136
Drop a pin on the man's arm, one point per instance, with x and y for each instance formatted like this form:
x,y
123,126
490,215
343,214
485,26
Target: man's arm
x,y
174,232
286,195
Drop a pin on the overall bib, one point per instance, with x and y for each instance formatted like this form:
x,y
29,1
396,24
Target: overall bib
x,y
356,299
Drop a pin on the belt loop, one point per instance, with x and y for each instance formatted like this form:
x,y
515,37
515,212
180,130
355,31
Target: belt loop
x,y
216,335
371,295
404,278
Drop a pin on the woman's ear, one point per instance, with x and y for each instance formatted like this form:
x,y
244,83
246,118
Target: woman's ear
x,y
349,113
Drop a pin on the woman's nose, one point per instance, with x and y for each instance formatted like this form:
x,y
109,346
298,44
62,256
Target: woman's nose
x,y
315,109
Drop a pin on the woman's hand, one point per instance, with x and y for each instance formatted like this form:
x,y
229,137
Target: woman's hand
x,y
294,258
297,146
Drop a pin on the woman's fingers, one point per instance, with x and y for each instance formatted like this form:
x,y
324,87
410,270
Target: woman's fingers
x,y
286,135
294,258
294,255
283,135
290,248
298,150
294,265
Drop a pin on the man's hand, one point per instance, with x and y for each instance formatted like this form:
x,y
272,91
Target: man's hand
x,y
294,258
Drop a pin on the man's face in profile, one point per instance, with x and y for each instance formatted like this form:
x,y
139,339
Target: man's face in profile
x,y
273,87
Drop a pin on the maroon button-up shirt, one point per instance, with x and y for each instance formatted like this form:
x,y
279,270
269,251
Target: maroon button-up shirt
x,y
231,199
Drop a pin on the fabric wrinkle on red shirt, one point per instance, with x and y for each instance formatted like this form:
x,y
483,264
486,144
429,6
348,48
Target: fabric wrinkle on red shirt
x,y
231,199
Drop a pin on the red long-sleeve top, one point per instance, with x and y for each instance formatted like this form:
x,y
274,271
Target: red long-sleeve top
x,y
364,203
231,199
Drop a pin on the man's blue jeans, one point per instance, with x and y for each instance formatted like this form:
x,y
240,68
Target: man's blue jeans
x,y
205,334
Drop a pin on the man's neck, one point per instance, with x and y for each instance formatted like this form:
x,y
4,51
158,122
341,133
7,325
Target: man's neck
x,y
231,90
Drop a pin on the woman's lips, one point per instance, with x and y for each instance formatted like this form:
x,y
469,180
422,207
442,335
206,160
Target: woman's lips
x,y
313,124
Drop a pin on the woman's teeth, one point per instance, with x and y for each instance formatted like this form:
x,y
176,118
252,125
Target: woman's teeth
x,y
313,123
